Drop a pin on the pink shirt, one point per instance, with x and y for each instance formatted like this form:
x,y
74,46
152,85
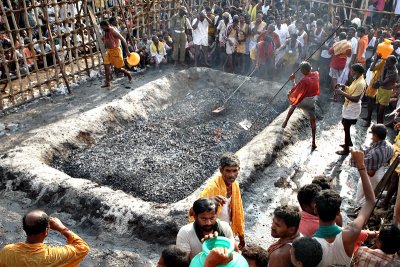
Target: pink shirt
x,y
309,224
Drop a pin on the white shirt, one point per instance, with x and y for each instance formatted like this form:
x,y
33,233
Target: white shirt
x,y
221,28
200,34
292,28
301,38
265,9
369,53
188,240
283,33
225,214
354,45
333,253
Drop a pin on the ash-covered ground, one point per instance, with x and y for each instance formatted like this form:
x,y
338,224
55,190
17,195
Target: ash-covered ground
x,y
167,156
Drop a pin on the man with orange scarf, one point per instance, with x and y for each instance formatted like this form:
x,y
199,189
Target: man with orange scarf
x,y
226,192
303,96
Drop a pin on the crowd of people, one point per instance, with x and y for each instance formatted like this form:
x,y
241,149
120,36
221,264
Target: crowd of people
x,y
35,37
308,234
267,39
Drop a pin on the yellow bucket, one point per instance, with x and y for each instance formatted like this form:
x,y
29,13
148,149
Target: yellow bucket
x,y
133,59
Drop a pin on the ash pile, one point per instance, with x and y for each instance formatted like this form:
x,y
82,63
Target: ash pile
x,y
167,156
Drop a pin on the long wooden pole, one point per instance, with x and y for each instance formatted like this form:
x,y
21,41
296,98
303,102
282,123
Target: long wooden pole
x,y
352,8
62,69
126,24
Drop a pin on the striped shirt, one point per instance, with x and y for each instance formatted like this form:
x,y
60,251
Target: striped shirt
x,y
378,155
366,257
228,31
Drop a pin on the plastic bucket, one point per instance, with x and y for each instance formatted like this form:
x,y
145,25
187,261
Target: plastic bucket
x,y
209,244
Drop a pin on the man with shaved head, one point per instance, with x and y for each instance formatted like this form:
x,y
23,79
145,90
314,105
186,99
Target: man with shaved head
x,y
33,252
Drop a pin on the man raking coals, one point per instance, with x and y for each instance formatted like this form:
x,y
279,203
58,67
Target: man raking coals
x,y
112,41
303,96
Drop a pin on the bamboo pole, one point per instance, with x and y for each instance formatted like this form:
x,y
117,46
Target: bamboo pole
x,y
146,15
78,18
14,49
76,60
30,48
365,12
40,42
352,8
46,15
54,52
27,75
8,31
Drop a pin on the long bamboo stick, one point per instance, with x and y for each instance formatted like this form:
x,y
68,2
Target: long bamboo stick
x,y
352,8
30,49
46,15
40,42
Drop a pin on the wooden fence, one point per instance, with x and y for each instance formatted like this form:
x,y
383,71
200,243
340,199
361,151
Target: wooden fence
x,y
49,44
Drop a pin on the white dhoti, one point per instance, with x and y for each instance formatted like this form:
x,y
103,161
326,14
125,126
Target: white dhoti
x,y
360,198
344,76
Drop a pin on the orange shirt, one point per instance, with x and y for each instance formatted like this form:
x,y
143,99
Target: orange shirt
x,y
38,255
362,46
29,55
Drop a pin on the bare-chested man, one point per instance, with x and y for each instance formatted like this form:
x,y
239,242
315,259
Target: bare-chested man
x,y
112,41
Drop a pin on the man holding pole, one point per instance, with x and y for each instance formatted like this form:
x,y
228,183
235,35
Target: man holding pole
x,y
303,96
113,56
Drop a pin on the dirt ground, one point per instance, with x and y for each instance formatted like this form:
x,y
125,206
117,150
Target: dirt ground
x,y
293,166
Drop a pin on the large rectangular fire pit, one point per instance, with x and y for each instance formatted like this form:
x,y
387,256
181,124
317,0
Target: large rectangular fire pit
x,y
135,165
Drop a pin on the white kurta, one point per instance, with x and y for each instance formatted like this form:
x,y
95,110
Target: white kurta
x,y
200,34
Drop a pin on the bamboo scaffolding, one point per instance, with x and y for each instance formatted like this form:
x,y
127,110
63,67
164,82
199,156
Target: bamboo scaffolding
x,y
30,47
72,20
351,8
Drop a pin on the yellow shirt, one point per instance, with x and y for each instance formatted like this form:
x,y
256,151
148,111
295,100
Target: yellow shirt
x,y
253,12
41,255
356,88
159,49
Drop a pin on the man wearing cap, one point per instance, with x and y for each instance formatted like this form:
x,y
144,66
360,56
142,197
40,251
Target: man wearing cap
x,y
179,25
352,104
377,157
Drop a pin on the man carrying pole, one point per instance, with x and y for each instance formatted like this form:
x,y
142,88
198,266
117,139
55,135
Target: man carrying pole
x,y
303,96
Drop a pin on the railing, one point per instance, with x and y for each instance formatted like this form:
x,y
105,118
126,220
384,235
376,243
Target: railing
x,y
33,63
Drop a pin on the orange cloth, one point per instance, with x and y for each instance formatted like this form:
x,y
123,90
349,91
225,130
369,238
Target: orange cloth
x,y
114,57
308,86
341,47
376,74
29,55
217,187
362,46
309,224
39,255
360,240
